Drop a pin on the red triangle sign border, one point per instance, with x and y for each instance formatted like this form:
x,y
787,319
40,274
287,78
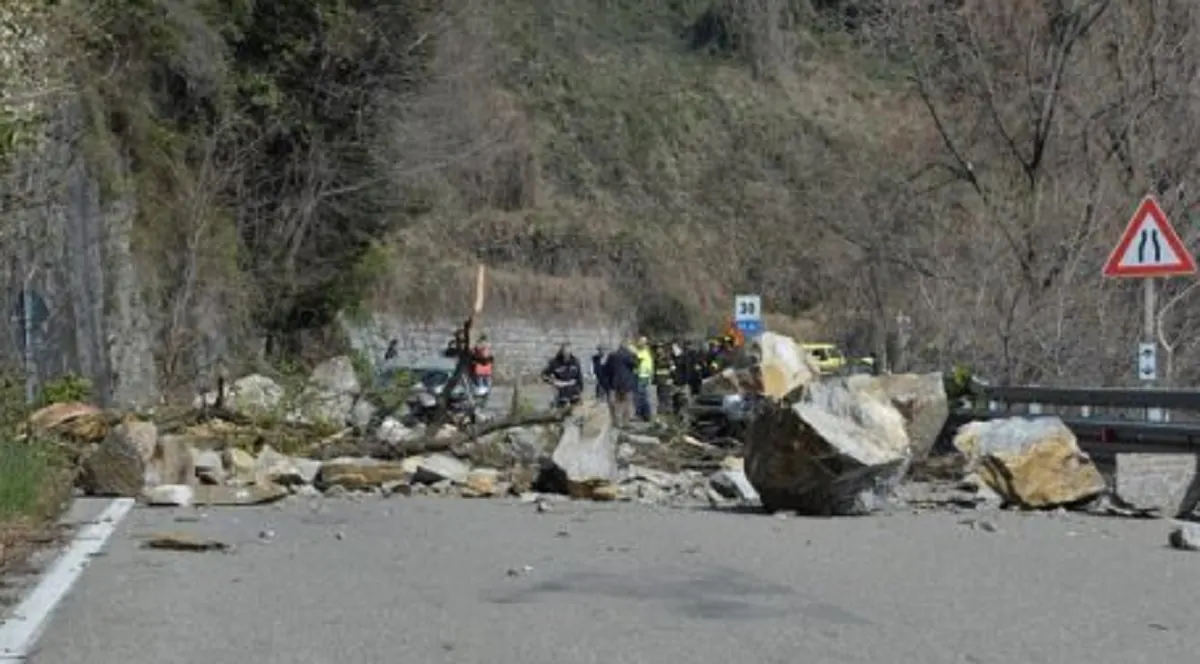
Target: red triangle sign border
x,y
1185,263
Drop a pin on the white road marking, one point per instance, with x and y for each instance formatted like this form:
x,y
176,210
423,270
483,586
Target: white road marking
x,y
19,633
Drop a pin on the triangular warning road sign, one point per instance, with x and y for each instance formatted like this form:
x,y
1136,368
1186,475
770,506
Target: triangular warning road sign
x,y
1150,247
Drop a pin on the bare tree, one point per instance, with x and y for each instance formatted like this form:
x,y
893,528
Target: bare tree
x,y
1036,111
198,262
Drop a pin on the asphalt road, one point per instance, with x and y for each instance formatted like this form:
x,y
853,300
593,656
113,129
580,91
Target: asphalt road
x,y
459,581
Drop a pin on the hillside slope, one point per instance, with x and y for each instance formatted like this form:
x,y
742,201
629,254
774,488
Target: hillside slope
x,y
641,162
939,181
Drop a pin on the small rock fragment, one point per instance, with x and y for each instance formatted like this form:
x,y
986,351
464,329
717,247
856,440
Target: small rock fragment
x,y
481,483
1185,537
210,469
605,492
257,494
397,488
169,495
392,432
734,485
359,474
240,464
439,467
183,542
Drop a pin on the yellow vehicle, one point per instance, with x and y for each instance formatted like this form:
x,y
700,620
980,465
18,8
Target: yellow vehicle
x,y
830,360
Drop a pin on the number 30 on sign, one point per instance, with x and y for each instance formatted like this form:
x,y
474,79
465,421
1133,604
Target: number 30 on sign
x,y
747,307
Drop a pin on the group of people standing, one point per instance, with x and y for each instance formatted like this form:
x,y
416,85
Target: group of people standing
x,y
624,376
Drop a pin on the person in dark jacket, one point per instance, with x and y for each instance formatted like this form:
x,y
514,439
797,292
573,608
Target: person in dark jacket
x,y
564,370
620,374
457,346
664,375
602,384
690,368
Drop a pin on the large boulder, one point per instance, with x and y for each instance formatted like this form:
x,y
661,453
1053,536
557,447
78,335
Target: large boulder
x,y
921,400
330,393
171,460
1033,462
74,420
115,469
833,452
586,455
255,395
1166,484
783,367
252,395
336,375
142,435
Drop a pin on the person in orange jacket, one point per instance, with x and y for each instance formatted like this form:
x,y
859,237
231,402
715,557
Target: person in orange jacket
x,y
734,335
482,363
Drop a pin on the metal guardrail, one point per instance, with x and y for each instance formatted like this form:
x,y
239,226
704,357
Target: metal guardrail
x,y
1098,434
1099,397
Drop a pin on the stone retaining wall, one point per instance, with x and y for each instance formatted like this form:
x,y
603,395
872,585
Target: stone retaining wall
x,y
522,346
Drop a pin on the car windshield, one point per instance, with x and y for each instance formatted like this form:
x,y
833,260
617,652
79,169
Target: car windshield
x,y
432,379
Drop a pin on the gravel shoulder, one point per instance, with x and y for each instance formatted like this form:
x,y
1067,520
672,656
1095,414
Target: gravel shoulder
x,y
18,579
444,580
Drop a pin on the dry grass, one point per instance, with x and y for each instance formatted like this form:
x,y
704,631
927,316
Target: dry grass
x,y
811,328
634,166
448,290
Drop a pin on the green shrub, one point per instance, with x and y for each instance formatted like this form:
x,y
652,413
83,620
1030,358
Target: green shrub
x,y
30,478
65,389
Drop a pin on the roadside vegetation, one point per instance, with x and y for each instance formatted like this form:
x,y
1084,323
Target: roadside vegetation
x,y
35,477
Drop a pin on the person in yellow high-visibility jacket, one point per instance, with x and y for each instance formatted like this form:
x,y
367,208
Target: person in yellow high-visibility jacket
x,y
645,375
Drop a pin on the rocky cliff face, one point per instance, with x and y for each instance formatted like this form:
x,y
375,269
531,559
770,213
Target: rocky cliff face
x,y
70,249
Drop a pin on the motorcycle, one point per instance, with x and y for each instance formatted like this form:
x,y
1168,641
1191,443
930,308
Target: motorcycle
x,y
463,404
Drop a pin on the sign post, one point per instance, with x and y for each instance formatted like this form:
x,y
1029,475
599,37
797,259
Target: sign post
x,y
1149,248
747,314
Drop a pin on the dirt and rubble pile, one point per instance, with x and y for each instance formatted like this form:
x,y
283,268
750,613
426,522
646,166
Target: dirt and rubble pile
x,y
842,445
829,446
253,445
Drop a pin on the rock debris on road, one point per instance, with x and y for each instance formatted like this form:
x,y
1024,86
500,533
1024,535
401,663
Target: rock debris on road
x,y
441,580
351,548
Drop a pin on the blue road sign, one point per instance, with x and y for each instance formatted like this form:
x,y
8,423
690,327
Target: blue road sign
x,y
747,314
750,326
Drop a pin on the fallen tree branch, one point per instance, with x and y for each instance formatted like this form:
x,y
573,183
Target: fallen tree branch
x,y
455,444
